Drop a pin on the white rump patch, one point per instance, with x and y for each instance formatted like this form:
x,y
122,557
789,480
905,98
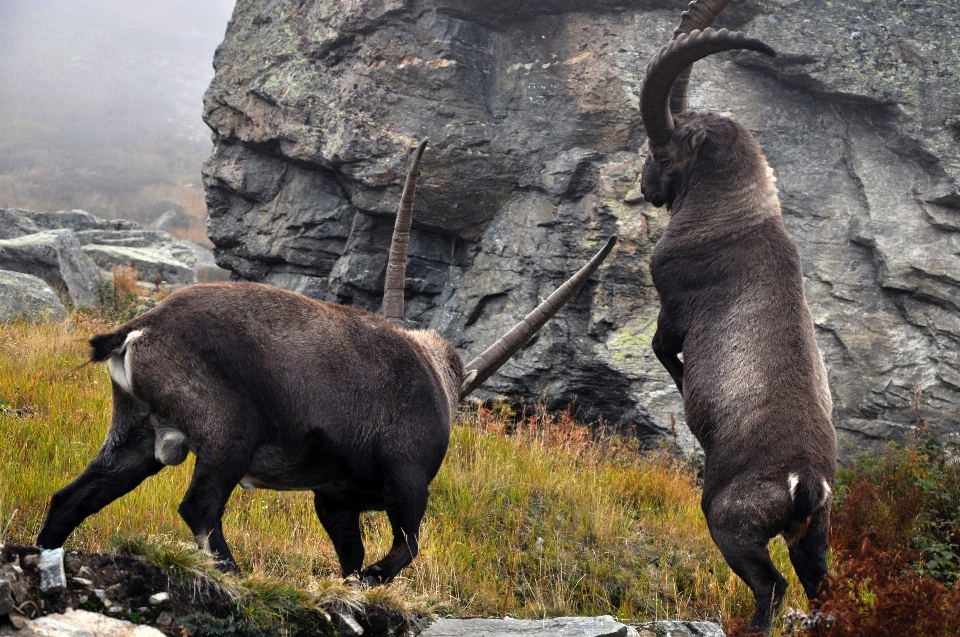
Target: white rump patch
x,y
794,480
131,337
119,363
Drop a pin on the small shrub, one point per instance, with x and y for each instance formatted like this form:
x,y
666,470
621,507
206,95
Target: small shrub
x,y
125,279
894,537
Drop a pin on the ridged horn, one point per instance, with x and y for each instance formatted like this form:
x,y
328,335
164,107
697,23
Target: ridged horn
x,y
699,15
669,63
397,261
482,367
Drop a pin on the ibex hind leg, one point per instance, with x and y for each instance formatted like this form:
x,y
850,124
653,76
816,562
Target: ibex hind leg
x,y
808,554
743,543
221,464
405,498
342,524
123,462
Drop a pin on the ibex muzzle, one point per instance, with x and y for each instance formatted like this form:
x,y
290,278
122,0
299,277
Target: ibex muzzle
x,y
274,390
754,386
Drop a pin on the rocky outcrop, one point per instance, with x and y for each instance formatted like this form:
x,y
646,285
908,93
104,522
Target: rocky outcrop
x,y
118,242
24,297
536,148
56,257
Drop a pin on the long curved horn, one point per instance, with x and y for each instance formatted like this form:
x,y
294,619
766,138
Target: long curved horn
x,y
699,15
669,63
397,261
482,367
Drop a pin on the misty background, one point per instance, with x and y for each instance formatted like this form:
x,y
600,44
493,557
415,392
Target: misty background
x,y
100,106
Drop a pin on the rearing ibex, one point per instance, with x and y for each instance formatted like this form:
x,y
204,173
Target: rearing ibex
x,y
754,387
274,390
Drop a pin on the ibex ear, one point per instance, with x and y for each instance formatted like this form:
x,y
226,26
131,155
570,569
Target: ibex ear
x,y
696,138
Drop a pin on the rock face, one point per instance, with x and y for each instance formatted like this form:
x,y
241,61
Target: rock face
x,y
28,298
532,109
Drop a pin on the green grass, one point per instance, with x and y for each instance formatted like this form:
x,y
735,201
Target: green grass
x,y
525,520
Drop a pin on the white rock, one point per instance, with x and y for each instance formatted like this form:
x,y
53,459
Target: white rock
x,y
81,623
53,579
348,625
159,598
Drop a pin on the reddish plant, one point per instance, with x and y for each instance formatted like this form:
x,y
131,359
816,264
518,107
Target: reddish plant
x,y
893,538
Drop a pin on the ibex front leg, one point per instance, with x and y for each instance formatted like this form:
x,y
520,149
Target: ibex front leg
x,y
667,344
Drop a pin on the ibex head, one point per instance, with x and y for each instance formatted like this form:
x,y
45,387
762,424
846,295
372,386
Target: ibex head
x,y
676,139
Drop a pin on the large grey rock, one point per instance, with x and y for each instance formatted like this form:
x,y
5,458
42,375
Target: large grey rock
x,y
77,220
16,223
536,150
56,257
603,626
119,242
28,298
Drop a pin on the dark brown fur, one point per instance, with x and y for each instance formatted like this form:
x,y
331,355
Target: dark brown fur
x,y
754,386
272,389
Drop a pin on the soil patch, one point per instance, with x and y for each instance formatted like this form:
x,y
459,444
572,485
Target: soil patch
x,y
182,605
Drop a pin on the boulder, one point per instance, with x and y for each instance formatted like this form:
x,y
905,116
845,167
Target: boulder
x,y
77,220
603,626
16,223
537,145
56,257
28,298
118,242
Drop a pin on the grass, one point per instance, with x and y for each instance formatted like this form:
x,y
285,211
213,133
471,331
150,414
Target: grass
x,y
529,517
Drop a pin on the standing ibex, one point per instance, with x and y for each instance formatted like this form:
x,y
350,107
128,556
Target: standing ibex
x,y
754,387
274,390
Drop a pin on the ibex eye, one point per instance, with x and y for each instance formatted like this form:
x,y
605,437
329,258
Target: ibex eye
x,y
665,163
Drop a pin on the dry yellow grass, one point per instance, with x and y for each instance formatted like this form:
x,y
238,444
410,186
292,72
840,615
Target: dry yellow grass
x,y
532,520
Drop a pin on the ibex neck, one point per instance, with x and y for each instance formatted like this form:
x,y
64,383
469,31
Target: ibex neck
x,y
728,200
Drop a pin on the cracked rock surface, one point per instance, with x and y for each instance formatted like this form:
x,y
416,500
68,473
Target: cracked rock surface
x,y
536,148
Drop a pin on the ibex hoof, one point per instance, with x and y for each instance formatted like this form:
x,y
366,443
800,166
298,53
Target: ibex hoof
x,y
373,575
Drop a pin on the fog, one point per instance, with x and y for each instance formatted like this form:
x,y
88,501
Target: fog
x,y
101,102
